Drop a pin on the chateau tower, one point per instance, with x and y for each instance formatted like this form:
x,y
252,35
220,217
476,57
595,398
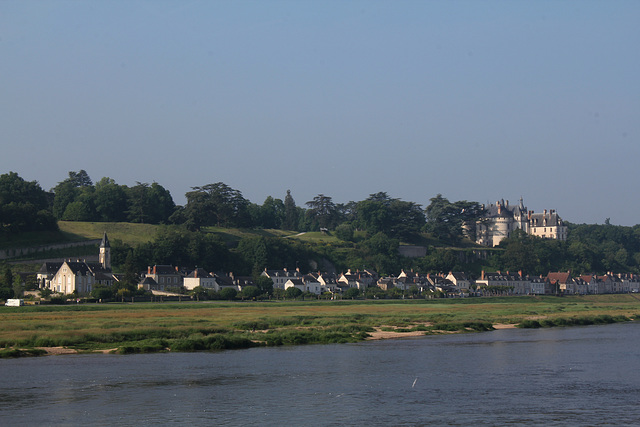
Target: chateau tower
x,y
105,253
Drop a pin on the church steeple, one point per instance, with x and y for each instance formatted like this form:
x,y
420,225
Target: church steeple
x,y
105,252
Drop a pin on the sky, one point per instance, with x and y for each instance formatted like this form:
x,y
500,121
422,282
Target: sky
x,y
474,100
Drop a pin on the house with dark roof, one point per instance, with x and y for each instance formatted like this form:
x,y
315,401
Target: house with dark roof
x,y
280,277
504,282
200,277
460,281
164,277
78,276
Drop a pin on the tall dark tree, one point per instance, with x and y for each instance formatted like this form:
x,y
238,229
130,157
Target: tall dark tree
x,y
290,213
162,204
216,204
394,217
80,178
407,219
272,213
323,211
445,220
139,203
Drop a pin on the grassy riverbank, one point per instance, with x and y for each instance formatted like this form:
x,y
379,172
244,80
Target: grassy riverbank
x,y
151,327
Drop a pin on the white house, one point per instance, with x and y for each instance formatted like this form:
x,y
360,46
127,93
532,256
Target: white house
x,y
200,277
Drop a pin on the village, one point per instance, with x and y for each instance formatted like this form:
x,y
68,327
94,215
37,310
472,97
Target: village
x,y
79,278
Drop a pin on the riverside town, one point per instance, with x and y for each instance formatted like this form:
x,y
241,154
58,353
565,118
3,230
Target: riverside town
x,y
107,242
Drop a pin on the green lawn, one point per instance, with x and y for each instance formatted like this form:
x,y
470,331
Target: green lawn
x,y
129,233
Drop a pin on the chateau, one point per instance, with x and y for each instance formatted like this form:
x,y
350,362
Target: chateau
x,y
501,219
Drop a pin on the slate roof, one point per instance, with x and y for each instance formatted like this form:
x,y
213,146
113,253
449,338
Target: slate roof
x,y
553,219
149,281
105,241
505,210
50,267
164,269
201,273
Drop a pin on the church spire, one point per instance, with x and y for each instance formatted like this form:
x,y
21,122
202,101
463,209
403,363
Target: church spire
x,y
105,252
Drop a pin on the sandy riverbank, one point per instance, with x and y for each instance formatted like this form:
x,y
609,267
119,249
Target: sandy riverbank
x,y
379,334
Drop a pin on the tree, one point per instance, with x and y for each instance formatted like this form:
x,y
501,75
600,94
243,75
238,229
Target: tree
x,y
292,292
407,219
445,220
228,294
7,290
150,204
45,293
199,293
80,178
78,188
251,292
373,214
394,217
374,292
272,213
322,210
344,232
162,205
290,213
102,292
24,206
351,293
216,204
265,284
65,193
111,201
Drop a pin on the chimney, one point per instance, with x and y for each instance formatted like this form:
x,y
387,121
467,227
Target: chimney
x,y
520,273
176,268
149,269
195,273
482,275
154,269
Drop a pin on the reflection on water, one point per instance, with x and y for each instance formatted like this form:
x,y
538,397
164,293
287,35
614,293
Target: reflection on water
x,y
585,375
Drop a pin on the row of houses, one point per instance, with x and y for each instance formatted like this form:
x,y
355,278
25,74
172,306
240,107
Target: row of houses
x,y
452,284
81,277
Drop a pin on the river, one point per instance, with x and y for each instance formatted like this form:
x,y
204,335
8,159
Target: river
x,y
559,376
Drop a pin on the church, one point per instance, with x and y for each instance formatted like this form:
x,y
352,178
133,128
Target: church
x,y
502,219
78,276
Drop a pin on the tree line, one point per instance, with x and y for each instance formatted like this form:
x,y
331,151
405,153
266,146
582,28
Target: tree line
x,y
369,231
25,206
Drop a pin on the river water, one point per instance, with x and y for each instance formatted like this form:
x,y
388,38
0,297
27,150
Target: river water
x,y
560,376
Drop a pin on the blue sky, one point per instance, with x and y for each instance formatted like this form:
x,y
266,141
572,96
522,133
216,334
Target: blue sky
x,y
476,100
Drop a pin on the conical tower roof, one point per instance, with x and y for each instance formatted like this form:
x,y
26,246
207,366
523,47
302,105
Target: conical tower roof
x,y
105,241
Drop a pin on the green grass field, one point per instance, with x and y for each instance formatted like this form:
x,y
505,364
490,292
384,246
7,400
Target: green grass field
x,y
129,233
187,326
